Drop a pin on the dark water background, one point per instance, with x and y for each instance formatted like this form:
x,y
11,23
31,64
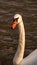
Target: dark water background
x,y
9,38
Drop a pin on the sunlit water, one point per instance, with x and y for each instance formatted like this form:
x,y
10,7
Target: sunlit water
x,y
9,38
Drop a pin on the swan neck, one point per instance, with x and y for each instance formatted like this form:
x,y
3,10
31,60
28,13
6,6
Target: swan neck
x,y
20,50
21,35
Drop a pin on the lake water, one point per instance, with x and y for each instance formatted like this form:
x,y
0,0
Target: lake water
x,y
9,38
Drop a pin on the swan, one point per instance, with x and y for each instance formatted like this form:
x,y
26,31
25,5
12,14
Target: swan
x,y
18,59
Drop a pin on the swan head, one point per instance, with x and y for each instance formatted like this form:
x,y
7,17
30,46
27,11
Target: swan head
x,y
16,20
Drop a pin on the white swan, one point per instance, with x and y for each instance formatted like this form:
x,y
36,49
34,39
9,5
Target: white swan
x,y
18,58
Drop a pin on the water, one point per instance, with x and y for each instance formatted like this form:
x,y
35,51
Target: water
x,y
9,38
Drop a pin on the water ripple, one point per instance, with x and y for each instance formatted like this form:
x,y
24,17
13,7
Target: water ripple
x,y
11,3
2,30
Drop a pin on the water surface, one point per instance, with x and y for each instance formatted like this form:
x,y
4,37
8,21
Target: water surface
x,y
9,38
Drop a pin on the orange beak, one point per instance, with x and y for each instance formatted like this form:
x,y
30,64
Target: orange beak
x,y
14,24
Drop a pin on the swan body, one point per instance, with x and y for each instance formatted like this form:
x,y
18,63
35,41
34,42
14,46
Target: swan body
x,y
18,58
31,59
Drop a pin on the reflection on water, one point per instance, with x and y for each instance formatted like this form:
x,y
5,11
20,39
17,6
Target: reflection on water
x,y
9,38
